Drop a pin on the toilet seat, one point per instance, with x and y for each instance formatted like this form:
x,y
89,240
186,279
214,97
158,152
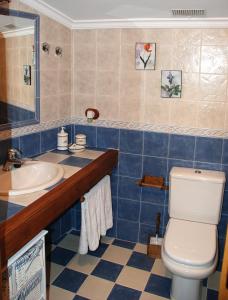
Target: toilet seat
x,y
190,243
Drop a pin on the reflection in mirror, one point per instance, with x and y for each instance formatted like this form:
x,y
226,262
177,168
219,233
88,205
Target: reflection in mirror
x,y
19,80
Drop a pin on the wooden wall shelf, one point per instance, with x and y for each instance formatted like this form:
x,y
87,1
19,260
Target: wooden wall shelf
x,y
153,182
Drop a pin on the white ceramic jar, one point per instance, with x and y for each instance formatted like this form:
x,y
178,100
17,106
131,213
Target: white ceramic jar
x,y
80,139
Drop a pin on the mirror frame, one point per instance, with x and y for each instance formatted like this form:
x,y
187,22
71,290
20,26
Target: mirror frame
x,y
36,18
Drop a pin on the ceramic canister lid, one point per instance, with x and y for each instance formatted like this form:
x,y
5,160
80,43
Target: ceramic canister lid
x,y
80,136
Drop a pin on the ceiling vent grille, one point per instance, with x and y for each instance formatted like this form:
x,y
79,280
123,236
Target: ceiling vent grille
x,y
188,12
10,26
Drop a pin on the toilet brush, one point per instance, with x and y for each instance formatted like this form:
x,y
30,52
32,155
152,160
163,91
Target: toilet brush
x,y
154,244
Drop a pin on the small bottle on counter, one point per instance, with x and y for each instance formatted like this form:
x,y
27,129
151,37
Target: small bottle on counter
x,y
62,143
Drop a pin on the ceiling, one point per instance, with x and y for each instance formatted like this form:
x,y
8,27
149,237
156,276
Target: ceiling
x,y
133,9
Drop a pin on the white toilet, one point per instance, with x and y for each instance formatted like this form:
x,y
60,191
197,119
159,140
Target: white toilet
x,y
189,249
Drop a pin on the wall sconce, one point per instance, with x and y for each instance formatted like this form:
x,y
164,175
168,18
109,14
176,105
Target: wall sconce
x,y
58,51
46,47
91,114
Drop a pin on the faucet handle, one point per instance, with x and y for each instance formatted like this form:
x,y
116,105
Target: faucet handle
x,y
14,153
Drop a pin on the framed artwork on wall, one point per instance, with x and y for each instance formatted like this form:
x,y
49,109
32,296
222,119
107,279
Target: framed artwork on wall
x,y
27,74
145,56
171,83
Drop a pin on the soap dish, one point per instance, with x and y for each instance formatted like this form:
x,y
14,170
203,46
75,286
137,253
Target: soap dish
x,y
74,148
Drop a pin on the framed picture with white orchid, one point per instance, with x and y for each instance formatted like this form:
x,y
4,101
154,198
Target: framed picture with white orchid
x,y
145,56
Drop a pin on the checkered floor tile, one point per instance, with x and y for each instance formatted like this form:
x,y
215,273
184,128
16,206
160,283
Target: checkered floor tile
x,y
117,270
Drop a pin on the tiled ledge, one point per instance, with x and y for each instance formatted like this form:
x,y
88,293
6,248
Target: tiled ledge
x,y
114,124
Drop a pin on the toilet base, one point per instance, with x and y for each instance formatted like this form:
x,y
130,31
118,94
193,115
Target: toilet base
x,y
185,288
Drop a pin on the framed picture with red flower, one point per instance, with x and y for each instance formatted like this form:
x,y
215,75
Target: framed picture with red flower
x,y
145,56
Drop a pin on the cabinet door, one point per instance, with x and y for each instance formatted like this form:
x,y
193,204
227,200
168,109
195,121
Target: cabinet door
x,y
223,288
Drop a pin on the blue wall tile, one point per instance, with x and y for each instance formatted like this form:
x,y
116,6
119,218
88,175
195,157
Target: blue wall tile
x,y
66,222
156,144
153,195
149,212
154,166
179,163
222,226
130,165
30,145
114,185
207,166
225,152
112,231
145,232
225,169
131,141
208,150
114,207
182,147
225,203
90,132
49,139
107,137
128,210
127,230
128,188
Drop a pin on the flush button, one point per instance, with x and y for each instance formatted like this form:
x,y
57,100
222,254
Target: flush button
x,y
198,172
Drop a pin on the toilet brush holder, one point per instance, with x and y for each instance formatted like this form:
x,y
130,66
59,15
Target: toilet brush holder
x,y
155,243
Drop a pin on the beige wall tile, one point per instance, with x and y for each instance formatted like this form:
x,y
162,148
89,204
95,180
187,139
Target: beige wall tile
x,y
85,37
131,84
107,83
214,59
187,37
108,57
85,57
211,115
213,87
157,113
160,36
131,109
108,107
85,82
190,86
133,36
183,113
82,102
216,37
186,58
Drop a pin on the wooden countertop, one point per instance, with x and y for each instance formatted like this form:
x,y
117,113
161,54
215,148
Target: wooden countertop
x,y
21,228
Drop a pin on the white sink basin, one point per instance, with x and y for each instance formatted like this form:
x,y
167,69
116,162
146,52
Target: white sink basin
x,y
31,177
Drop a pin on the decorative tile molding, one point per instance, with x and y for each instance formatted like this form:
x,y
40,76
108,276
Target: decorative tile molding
x,y
33,128
112,124
154,128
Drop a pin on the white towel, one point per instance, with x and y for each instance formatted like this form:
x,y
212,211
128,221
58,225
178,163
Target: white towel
x,y
96,215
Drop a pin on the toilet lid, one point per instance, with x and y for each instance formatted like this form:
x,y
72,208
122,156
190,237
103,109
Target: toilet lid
x,y
190,243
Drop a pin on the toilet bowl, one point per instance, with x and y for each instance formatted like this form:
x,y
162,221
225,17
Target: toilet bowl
x,y
189,249
190,253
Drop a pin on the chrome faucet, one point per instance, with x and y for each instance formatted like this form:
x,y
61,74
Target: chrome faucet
x,y
13,160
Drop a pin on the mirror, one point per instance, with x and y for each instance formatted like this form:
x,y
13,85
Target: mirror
x,y
19,69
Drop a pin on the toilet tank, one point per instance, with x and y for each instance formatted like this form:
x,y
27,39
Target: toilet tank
x,y
196,195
